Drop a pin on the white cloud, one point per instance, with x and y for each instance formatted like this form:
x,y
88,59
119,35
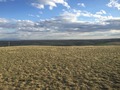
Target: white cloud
x,y
59,28
74,15
3,20
114,3
115,31
70,16
40,4
101,12
81,4
24,23
68,25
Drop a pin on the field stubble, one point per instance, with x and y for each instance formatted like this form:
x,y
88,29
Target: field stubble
x,y
60,68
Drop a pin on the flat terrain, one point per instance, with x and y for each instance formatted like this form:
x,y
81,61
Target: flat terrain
x,y
95,42
60,68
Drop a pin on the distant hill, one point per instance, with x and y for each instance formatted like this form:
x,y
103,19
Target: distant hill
x,y
60,42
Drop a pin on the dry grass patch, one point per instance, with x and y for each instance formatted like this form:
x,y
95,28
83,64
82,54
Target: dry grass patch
x,y
60,68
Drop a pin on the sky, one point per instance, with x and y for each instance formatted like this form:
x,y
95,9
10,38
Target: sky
x,y
59,19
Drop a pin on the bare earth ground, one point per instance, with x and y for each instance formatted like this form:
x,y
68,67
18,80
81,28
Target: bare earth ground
x,y
60,68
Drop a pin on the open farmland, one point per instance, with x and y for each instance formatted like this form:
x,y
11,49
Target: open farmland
x,y
60,68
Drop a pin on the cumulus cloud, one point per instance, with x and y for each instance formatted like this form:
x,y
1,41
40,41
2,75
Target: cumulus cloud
x,y
40,4
114,3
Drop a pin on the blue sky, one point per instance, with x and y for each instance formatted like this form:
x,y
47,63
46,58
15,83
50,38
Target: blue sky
x,y
59,19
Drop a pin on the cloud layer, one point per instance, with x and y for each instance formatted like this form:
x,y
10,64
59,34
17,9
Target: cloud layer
x,y
59,28
70,24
